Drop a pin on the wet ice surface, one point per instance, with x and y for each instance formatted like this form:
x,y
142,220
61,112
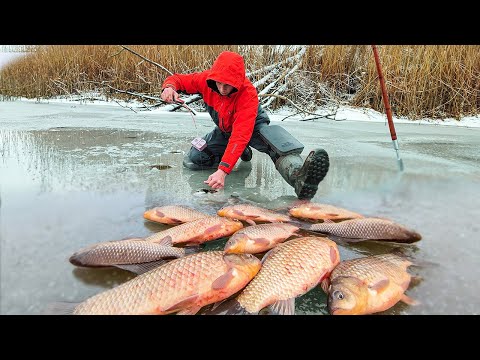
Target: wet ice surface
x,y
72,175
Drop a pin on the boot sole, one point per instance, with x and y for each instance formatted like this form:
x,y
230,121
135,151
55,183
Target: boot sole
x,y
316,171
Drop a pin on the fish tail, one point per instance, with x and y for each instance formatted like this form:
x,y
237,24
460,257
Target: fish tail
x,y
409,301
141,268
227,307
282,307
60,308
192,249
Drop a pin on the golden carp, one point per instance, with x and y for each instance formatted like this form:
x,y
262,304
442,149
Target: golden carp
x,y
368,285
173,214
289,270
129,251
259,238
181,286
197,231
368,229
314,211
252,214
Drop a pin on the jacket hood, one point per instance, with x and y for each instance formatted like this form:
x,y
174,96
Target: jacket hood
x,y
228,68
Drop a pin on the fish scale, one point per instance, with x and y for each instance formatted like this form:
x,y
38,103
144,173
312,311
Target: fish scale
x,y
173,214
197,231
124,252
248,212
244,240
290,270
367,228
158,291
368,284
373,269
316,211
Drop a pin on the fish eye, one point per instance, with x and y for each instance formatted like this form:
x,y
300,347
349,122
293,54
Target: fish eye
x,y
338,294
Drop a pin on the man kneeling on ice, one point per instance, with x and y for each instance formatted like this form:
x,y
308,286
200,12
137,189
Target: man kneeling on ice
x,y
242,123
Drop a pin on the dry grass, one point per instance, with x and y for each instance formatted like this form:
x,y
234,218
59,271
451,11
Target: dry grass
x,y
422,81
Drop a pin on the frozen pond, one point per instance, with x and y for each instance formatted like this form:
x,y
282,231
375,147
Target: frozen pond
x,y
76,174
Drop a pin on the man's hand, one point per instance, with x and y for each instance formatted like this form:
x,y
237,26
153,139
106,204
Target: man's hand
x,y
169,95
216,180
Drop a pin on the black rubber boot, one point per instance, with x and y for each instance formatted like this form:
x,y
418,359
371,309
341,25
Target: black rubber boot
x,y
247,154
304,177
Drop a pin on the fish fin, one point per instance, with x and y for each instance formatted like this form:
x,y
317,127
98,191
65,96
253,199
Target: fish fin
x,y
381,285
218,303
141,267
351,240
409,301
184,305
301,224
174,221
250,222
382,218
192,249
193,241
189,311
167,241
335,215
282,307
212,229
222,281
415,280
344,240
325,284
60,308
131,239
261,241
227,307
268,253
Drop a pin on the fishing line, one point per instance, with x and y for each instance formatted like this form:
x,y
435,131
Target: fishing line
x,y
198,143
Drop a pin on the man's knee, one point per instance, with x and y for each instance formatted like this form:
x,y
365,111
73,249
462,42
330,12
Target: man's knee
x,y
195,159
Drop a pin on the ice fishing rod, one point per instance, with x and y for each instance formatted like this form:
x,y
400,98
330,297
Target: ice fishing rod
x,y
199,143
387,107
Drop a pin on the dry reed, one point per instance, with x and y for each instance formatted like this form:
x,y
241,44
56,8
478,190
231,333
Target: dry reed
x,y
435,81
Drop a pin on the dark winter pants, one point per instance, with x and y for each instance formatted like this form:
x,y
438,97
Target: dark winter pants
x,y
217,143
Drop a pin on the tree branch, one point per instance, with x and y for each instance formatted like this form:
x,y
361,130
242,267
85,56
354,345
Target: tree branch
x,y
298,107
148,60
136,94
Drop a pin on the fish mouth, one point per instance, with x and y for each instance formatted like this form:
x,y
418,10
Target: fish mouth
x,y
414,236
77,260
335,311
231,249
339,311
254,268
151,215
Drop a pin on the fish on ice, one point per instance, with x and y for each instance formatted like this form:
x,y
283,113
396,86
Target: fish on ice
x,y
182,286
368,285
289,270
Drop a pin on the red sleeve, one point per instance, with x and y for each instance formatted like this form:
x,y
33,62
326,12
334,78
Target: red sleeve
x,y
242,130
188,83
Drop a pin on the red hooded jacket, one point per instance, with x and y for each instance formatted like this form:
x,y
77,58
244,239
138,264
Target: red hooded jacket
x,y
235,113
